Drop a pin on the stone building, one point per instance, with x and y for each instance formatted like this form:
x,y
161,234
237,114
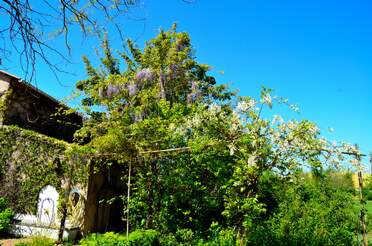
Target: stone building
x,y
31,108
26,107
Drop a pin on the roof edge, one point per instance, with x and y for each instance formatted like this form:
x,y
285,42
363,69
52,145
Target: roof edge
x,y
29,85
32,87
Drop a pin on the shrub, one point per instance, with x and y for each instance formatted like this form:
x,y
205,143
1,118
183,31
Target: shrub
x,y
169,240
144,237
107,239
6,215
313,210
136,238
220,237
367,189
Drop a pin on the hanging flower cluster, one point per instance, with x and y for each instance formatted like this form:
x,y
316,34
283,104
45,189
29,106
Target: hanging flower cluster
x,y
110,91
144,75
132,89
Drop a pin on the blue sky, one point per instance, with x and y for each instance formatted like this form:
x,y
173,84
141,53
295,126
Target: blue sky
x,y
318,54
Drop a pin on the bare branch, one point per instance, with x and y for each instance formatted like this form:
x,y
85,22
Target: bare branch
x,y
26,24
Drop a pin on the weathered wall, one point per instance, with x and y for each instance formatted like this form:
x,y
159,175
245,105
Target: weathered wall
x,y
4,83
4,86
34,111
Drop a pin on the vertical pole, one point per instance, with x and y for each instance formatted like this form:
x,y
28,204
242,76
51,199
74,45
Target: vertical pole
x,y
128,197
362,209
362,202
64,210
370,161
67,189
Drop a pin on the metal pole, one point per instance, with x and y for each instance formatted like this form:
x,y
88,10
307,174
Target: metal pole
x,y
362,202
128,197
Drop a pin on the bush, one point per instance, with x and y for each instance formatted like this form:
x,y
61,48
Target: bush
x,y
220,237
367,189
136,238
107,239
313,210
144,237
6,216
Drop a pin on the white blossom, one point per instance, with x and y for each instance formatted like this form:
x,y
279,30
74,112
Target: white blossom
x,y
215,108
267,100
232,149
294,107
251,103
242,106
251,161
277,118
246,105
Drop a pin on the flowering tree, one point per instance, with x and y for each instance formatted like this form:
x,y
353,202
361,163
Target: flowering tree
x,y
198,152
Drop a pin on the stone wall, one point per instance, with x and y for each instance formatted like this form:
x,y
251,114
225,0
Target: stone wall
x,y
30,109
4,83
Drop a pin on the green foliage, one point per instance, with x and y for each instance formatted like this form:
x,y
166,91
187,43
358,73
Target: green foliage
x,y
28,162
37,241
312,210
201,155
144,237
136,238
6,215
367,189
220,237
146,109
107,239
3,104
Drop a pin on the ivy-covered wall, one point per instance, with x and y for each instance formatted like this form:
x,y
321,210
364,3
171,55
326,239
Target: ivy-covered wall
x,y
28,162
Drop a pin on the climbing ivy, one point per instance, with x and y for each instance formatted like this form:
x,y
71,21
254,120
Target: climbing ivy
x,y
3,103
29,161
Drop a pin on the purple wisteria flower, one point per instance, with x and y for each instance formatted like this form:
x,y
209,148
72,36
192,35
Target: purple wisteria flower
x,y
181,45
132,89
144,74
173,70
112,90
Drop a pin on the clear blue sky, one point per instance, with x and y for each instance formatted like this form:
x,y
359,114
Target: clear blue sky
x,y
318,54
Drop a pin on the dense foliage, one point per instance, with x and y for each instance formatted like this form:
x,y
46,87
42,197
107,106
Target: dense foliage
x,y
312,210
3,104
30,161
6,216
136,238
207,167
